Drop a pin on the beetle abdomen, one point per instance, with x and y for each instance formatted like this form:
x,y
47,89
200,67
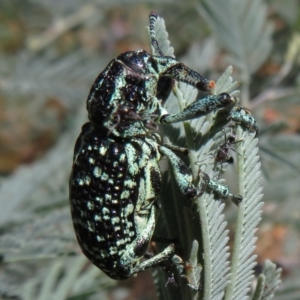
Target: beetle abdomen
x,y
112,184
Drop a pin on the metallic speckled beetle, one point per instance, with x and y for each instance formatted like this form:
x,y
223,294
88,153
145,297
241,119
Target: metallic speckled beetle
x,y
116,178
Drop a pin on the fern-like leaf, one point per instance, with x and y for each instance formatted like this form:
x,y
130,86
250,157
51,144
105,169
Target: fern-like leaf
x,y
71,278
162,37
241,27
268,282
66,78
213,231
248,216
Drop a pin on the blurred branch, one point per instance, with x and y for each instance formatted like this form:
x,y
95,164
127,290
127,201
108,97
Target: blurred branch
x,y
61,26
272,94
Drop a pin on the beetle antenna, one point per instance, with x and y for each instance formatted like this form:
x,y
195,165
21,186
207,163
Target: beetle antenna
x,y
152,20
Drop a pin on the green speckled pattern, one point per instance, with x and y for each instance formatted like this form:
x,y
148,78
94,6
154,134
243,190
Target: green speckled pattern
x,y
114,184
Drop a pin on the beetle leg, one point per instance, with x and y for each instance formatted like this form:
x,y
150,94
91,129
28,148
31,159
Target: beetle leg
x,y
182,173
152,19
138,249
243,117
184,180
198,108
165,255
219,189
175,148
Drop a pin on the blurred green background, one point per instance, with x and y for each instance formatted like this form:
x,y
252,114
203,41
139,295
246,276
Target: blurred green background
x,y
50,53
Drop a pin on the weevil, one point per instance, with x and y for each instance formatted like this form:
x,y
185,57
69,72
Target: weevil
x,y
115,179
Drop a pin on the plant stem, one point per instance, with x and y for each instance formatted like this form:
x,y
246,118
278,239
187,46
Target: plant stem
x,y
240,219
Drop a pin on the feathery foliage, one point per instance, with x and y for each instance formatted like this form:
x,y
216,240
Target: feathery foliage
x,y
267,282
241,28
248,217
203,137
